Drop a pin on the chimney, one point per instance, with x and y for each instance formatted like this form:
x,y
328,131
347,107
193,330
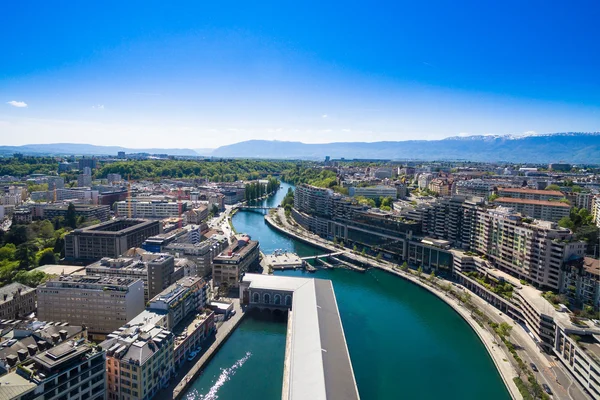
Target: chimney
x,y
22,354
55,337
63,334
11,360
5,296
32,349
41,344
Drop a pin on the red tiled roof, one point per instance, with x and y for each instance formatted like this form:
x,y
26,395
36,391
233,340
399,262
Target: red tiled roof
x,y
535,202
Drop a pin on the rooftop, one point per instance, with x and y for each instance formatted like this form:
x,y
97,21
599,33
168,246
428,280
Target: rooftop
x,y
531,191
14,385
10,290
117,226
591,265
532,202
90,282
54,269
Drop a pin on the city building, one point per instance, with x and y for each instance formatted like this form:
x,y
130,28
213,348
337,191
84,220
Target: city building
x,y
530,194
202,254
539,209
139,360
196,215
113,178
185,297
474,188
150,209
374,192
56,182
108,239
22,215
383,173
22,339
101,304
234,261
90,163
16,301
84,180
187,234
560,167
121,155
157,271
439,186
88,212
581,282
73,370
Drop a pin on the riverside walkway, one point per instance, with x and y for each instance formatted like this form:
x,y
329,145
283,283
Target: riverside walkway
x,y
187,375
498,355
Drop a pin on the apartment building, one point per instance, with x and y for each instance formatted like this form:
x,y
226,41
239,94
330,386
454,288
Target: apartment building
x,y
474,188
374,192
101,304
16,301
108,239
530,194
151,209
439,186
84,180
185,297
23,339
139,360
531,250
113,178
233,262
201,254
73,370
157,271
196,215
540,209
581,281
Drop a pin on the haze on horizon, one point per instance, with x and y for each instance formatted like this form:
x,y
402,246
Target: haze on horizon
x,y
149,74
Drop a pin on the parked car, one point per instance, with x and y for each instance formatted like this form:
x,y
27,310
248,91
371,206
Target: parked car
x,y
547,388
533,367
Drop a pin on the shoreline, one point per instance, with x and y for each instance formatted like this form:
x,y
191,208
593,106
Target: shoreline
x,y
498,356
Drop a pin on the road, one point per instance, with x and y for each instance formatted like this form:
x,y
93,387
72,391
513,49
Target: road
x,y
550,370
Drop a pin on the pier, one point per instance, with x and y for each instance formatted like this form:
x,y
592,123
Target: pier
x,y
327,255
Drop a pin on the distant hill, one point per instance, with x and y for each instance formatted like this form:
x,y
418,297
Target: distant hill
x,y
568,147
86,149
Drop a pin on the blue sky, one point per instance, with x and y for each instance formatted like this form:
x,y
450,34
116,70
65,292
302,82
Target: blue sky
x,y
204,74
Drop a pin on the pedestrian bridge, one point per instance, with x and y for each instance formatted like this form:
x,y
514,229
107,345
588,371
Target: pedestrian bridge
x,y
323,255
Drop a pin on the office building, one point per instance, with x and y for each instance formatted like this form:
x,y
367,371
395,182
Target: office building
x,y
16,301
157,271
139,360
560,167
73,370
102,304
150,209
84,180
201,254
108,239
88,212
121,155
539,209
87,162
233,262
374,192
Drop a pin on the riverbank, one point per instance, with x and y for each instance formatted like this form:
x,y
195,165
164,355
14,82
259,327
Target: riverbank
x,y
279,222
221,336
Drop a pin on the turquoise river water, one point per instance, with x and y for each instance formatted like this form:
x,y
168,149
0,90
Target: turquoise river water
x,y
404,342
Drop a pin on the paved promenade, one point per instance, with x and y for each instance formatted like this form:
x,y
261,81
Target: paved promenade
x,y
498,354
189,372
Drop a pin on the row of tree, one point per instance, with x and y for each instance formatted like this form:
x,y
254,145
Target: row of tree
x,y
255,190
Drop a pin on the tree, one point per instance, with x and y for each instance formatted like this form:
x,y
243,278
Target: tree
x,y
404,266
17,234
46,256
71,218
504,330
214,210
363,251
46,230
553,187
431,276
378,257
419,271
25,254
355,248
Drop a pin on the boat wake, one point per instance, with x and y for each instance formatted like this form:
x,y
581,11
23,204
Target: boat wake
x,y
226,375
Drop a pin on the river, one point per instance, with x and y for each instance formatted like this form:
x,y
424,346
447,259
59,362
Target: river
x,y
404,342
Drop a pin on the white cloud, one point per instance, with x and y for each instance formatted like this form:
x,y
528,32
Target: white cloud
x,y
464,134
19,104
324,116
98,107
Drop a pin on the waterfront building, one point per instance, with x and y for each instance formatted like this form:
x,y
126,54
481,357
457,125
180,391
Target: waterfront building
x,y
581,281
230,265
156,270
72,370
101,304
474,188
201,254
185,297
108,239
317,362
139,360
374,192
150,209
539,209
16,301
89,212
529,249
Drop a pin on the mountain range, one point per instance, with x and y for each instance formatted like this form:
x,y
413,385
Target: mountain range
x,y
570,147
